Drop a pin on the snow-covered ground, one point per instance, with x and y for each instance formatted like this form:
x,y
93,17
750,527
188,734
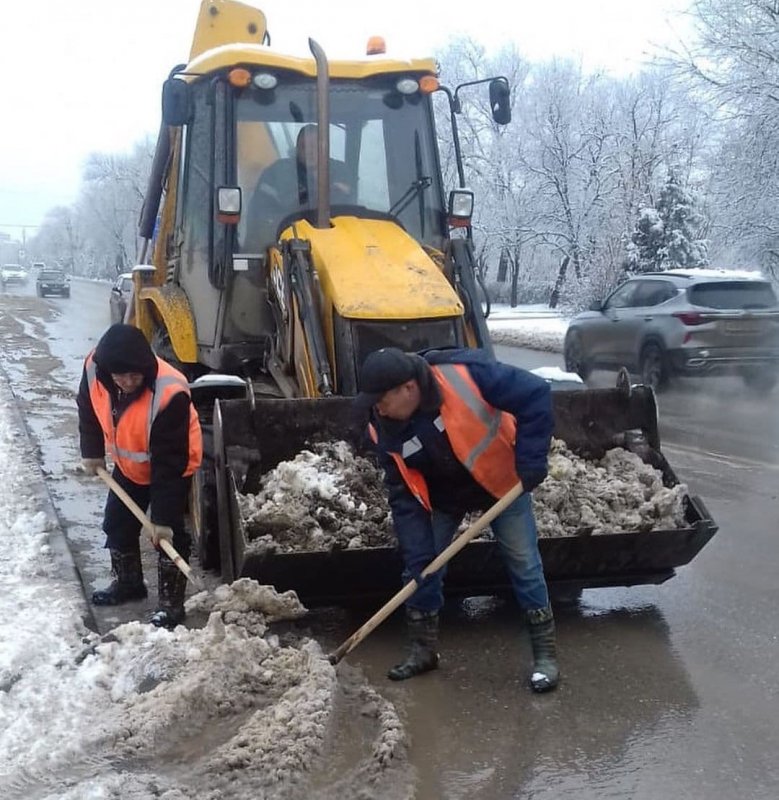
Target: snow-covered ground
x,y
222,711
534,326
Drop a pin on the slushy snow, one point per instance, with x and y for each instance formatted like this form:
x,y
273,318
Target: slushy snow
x,y
223,711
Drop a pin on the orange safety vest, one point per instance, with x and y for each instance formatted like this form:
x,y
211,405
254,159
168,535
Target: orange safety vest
x,y
128,440
482,437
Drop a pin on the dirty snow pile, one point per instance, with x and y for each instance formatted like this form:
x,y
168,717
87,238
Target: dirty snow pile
x,y
226,711
229,710
618,492
328,497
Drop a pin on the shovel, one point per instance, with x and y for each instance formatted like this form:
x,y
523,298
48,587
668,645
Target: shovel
x,y
442,558
163,532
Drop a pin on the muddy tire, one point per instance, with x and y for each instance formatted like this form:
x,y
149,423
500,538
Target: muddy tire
x,y
760,381
654,367
573,354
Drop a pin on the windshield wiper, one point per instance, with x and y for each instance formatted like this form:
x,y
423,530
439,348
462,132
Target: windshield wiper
x,y
408,196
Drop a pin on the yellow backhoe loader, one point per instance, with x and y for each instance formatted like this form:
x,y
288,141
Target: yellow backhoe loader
x,y
296,220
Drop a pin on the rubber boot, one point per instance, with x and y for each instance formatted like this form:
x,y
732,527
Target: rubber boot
x,y
423,651
546,672
172,586
128,582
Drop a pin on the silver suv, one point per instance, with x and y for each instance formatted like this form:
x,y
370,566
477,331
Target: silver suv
x,y
681,322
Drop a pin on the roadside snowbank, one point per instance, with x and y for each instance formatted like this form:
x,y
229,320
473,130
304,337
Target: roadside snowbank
x,y
535,327
224,711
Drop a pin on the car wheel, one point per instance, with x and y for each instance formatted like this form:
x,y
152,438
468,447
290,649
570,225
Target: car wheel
x,y
654,367
760,380
573,353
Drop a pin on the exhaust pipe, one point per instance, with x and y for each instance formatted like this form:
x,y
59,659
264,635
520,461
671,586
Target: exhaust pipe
x,y
323,134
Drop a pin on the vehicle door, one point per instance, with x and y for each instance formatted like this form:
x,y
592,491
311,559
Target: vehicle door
x,y
644,318
605,333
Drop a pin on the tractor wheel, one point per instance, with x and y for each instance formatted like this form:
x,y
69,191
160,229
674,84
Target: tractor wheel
x,y
203,515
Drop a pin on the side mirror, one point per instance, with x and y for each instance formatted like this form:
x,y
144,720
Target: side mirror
x,y
176,102
115,290
500,101
596,305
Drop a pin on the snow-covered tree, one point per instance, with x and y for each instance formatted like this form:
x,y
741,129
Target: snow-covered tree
x,y
96,236
666,235
734,62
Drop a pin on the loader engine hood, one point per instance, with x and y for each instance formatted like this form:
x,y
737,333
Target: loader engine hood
x,y
372,269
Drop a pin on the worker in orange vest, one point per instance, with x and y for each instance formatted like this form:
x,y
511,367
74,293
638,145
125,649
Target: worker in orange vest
x,y
137,408
455,431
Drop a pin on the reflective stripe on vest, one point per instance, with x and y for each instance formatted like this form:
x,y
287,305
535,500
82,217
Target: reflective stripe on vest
x,y
461,382
134,462
413,478
482,437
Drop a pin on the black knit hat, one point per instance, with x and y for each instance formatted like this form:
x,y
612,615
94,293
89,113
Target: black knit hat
x,y
383,370
123,348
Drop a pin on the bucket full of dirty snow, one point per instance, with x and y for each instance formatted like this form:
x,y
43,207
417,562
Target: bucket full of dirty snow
x,y
302,505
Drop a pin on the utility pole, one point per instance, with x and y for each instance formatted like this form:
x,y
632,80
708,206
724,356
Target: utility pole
x,y
22,245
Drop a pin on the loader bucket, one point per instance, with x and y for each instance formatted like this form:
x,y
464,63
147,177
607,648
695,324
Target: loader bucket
x,y
253,440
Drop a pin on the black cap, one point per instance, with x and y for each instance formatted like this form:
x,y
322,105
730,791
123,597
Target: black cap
x,y
383,370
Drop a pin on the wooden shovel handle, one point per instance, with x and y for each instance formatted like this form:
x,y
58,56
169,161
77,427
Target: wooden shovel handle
x,y
442,558
148,526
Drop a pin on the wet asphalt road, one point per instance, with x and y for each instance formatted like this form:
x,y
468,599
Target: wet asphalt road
x,y
668,691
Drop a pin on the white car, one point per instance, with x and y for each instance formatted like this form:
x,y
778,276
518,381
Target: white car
x,y
12,273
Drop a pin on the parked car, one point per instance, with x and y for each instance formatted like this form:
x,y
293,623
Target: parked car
x,y
12,273
52,281
681,322
120,296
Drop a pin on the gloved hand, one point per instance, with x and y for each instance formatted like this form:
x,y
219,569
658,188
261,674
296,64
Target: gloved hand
x,y
531,479
160,532
91,465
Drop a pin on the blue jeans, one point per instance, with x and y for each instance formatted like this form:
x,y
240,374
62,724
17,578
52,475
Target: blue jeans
x,y
517,536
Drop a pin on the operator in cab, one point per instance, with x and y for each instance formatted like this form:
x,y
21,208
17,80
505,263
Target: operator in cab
x,y
290,185
455,431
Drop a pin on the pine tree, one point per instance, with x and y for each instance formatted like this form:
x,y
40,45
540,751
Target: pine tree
x,y
665,236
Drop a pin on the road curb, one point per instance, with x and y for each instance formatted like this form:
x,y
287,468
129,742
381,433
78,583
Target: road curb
x,y
61,554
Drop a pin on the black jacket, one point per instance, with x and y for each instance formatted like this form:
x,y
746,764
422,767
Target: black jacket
x,y
123,348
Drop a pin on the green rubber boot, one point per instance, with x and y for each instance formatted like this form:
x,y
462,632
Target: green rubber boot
x,y
423,651
546,673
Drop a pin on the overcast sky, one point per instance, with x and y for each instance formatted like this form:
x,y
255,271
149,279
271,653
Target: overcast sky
x,y
85,77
